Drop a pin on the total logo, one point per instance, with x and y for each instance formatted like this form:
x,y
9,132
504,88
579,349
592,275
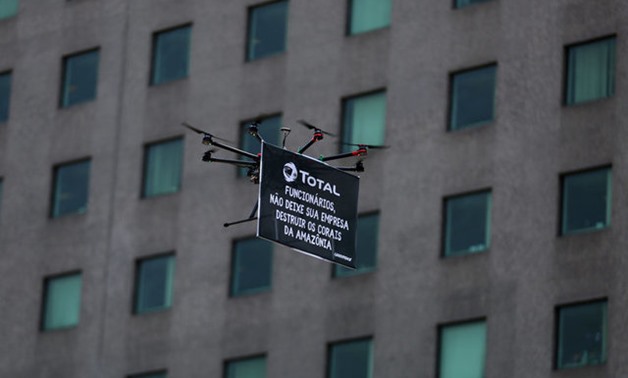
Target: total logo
x,y
291,174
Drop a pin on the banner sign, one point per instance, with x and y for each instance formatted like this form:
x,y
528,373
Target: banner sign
x,y
307,205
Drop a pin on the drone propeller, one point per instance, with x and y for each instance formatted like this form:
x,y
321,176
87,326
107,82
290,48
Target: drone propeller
x,y
312,127
203,133
365,145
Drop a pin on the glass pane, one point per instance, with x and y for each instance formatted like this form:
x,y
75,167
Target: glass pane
x,y
162,170
473,97
171,55
591,71
154,284
463,350
366,244
270,132
586,201
71,189
467,223
5,96
63,302
150,375
463,3
80,78
369,15
8,8
252,266
249,368
267,30
582,335
351,359
364,120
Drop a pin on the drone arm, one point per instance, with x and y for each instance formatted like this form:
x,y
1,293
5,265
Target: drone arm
x,y
359,152
318,135
231,161
233,149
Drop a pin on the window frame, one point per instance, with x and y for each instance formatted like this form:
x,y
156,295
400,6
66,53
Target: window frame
x,y
335,268
343,104
332,344
146,148
439,338
228,361
451,94
444,228
249,13
135,310
55,169
349,14
233,273
45,301
153,54
64,64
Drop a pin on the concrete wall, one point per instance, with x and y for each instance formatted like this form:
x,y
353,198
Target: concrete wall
x,y
516,285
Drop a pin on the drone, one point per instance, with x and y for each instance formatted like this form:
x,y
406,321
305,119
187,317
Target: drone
x,y
251,161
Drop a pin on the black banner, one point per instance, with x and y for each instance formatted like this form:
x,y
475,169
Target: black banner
x,y
307,205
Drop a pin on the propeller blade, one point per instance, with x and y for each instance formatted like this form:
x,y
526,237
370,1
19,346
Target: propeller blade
x,y
202,132
365,145
312,127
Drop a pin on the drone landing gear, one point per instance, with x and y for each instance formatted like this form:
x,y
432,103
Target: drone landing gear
x,y
251,217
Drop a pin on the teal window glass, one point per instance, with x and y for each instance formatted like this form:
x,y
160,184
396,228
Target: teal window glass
x,y
366,15
62,302
153,284
464,3
163,162
586,202
351,359
366,247
251,266
472,97
160,374
467,223
590,71
70,190
80,78
254,367
462,350
5,96
364,119
267,30
171,55
269,129
582,333
8,8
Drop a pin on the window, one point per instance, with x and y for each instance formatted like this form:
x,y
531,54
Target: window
x,y
62,302
364,119
269,130
590,71
171,55
5,96
464,3
472,97
267,30
153,284
8,8
581,335
254,367
162,167
366,247
462,351
1,195
251,266
366,15
80,78
70,189
467,223
586,202
351,359
160,374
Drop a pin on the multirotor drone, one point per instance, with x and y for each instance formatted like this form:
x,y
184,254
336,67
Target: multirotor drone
x,y
251,161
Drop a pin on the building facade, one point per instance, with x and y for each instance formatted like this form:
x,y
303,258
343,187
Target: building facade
x,y
491,236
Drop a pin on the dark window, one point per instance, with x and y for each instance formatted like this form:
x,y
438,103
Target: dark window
x,y
80,78
366,15
171,55
5,96
251,266
467,223
160,374
590,71
163,162
462,350
153,284
464,3
581,335
62,302
364,120
586,201
351,359
269,129
1,194
70,188
254,367
472,97
366,247
267,30
8,8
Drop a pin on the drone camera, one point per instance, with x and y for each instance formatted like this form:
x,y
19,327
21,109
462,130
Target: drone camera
x,y
207,140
